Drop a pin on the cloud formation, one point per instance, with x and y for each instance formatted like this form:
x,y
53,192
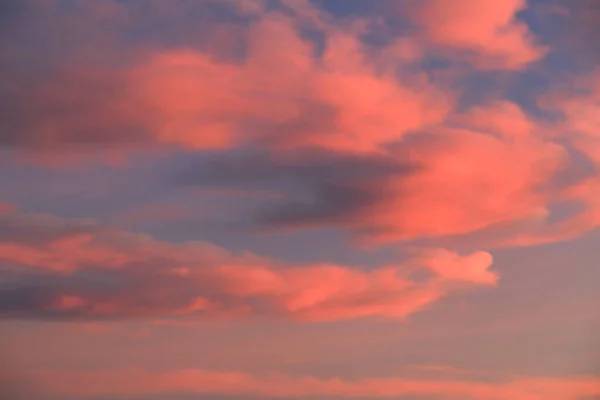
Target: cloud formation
x,y
488,34
287,90
283,92
56,268
270,86
493,170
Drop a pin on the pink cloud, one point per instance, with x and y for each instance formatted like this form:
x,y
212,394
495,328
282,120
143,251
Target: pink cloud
x,y
132,383
492,166
287,95
584,195
189,98
577,126
467,185
216,282
64,254
488,33
283,93
472,268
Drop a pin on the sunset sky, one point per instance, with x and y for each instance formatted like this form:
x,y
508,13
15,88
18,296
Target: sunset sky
x,y
299,199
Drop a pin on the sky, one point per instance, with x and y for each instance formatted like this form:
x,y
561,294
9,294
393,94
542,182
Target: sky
x,y
299,199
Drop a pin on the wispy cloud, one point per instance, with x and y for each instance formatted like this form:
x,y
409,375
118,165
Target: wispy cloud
x,y
277,385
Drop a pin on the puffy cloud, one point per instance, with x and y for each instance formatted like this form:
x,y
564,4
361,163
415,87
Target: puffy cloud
x,y
283,96
472,268
470,181
277,385
491,167
283,92
489,34
69,269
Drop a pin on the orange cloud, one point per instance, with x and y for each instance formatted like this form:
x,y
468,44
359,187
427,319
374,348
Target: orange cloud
x,y
278,385
139,276
489,33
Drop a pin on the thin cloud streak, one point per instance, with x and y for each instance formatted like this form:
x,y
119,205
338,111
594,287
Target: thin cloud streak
x,y
277,385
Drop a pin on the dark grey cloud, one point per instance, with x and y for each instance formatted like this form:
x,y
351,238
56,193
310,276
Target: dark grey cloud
x,y
318,187
329,202
254,166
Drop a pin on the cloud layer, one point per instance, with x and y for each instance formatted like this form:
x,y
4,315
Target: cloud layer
x,y
69,269
201,382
